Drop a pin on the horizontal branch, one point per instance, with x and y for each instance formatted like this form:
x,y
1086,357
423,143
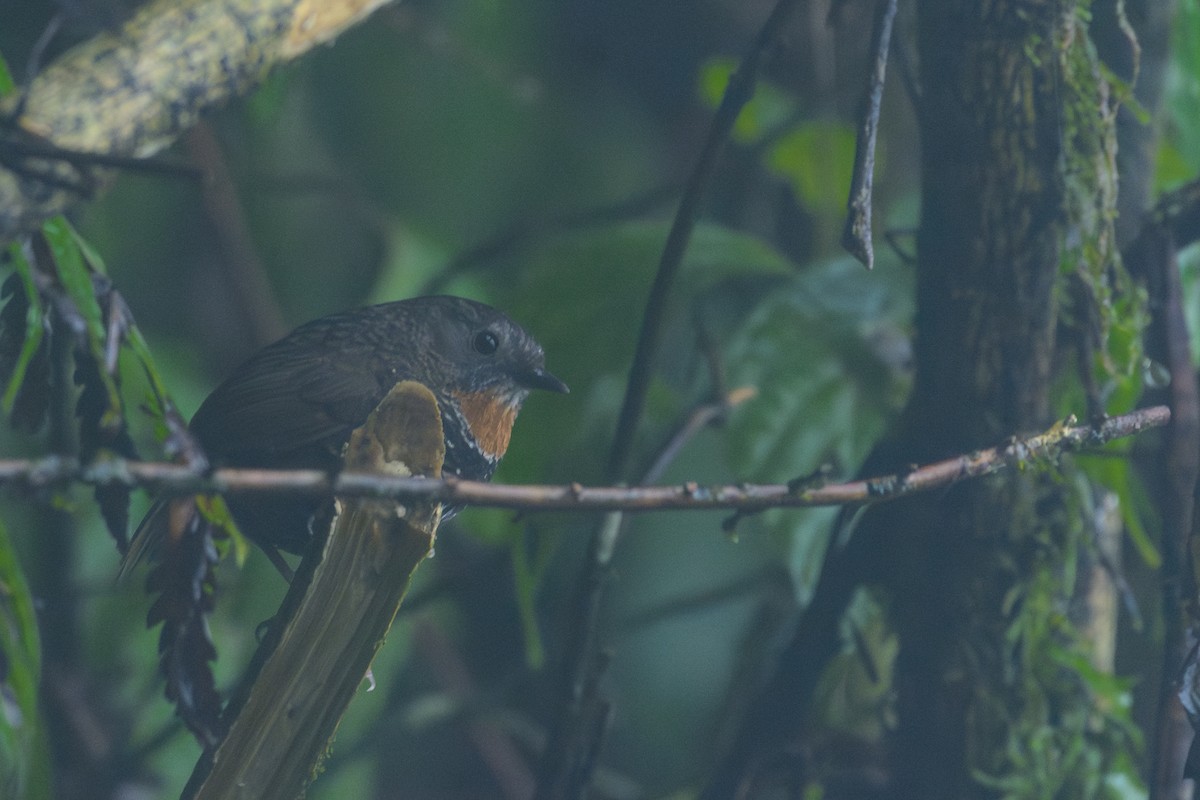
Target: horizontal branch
x,y
176,479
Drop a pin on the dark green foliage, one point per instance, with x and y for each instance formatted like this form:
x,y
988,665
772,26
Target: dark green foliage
x,y
97,440
23,767
441,129
829,356
24,359
87,309
184,584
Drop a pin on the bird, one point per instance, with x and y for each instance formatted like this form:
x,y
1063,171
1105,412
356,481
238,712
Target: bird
x,y
293,404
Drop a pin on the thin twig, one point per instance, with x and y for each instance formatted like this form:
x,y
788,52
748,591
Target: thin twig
x,y
241,266
572,749
492,742
856,237
1181,462
1152,259
519,235
176,479
696,422
737,94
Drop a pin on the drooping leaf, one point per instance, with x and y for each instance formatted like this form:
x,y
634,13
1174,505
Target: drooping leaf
x,y
1118,476
83,312
226,533
98,440
122,331
20,672
24,355
73,273
183,578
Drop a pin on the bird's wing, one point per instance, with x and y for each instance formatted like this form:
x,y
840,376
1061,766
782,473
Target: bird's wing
x,y
286,399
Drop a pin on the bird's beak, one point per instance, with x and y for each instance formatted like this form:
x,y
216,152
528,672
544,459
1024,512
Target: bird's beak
x,y
540,379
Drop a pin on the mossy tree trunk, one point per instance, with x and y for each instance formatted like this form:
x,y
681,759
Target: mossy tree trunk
x,y
1019,283
1018,195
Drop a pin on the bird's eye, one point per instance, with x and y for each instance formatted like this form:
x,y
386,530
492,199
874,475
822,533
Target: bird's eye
x,y
485,343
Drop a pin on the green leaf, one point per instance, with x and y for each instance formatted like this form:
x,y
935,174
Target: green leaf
x,y
528,575
587,292
1118,476
74,275
717,253
818,159
1171,167
6,82
817,354
216,511
90,254
1182,101
35,328
158,394
822,354
20,671
769,109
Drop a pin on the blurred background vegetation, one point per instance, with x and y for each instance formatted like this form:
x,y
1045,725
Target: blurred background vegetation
x,y
529,154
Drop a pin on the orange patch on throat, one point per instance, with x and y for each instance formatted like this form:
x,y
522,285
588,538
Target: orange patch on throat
x,y
490,419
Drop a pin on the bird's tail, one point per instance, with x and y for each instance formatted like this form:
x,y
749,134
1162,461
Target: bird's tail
x,y
155,528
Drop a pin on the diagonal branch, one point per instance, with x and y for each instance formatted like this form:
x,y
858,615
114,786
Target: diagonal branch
x,y
737,94
577,731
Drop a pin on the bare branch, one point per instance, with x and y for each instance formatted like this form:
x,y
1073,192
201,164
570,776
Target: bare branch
x,y
737,94
175,479
856,237
240,266
565,769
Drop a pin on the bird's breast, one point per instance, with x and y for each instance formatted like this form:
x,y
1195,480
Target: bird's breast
x,y
490,418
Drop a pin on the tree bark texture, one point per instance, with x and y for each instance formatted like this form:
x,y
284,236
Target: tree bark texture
x,y
130,92
999,210
1018,203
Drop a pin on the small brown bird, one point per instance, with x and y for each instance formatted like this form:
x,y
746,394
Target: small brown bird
x,y
293,404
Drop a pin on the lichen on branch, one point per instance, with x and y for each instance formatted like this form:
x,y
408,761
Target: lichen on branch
x,y
130,92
